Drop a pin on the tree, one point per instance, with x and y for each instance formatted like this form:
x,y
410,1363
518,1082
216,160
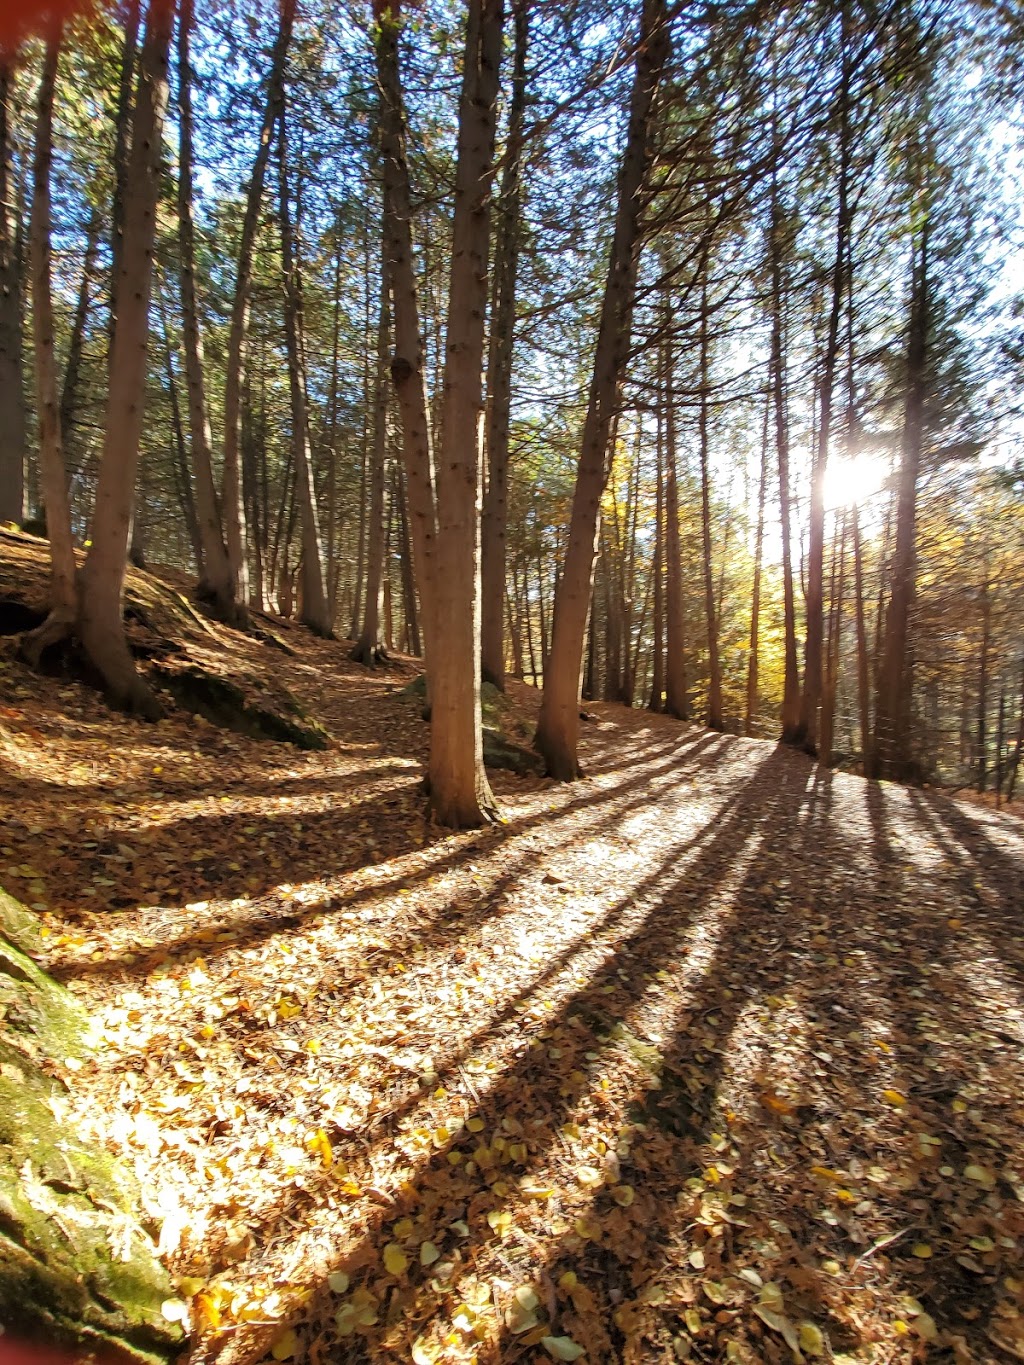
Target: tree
x,y
558,726
444,501
100,624
12,400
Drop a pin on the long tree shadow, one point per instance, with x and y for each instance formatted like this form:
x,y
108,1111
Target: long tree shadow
x,y
742,880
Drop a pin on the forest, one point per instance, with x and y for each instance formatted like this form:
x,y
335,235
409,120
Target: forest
x,y
511,681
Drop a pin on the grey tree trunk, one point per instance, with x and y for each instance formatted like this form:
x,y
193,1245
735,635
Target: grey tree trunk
x,y
558,728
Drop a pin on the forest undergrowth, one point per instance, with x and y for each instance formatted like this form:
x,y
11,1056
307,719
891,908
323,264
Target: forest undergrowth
x,y
717,1055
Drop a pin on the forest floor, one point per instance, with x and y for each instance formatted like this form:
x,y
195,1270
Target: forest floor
x,y
716,1055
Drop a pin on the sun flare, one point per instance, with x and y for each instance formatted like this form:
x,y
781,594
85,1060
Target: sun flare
x,y
853,479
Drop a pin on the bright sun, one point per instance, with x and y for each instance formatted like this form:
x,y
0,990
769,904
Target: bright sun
x,y
850,479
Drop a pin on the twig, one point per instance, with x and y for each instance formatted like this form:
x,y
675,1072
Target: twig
x,y
880,1246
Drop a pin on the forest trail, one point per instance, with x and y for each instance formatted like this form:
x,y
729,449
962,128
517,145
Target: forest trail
x,y
717,1055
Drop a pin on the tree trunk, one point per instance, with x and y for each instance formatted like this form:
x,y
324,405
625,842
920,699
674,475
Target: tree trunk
x,y
122,152
558,729
1017,748
69,399
460,795
891,748
314,612
182,473
446,515
657,696
863,666
370,648
676,691
12,396
755,593
217,581
232,508
830,680
986,644
715,719
499,370
53,477
100,623
790,717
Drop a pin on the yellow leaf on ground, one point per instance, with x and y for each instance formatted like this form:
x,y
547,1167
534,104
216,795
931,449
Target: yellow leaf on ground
x,y
285,1346
395,1259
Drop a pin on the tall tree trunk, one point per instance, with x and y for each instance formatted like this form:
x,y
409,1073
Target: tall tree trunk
x,y
677,701
12,396
70,397
1000,741
830,679
182,472
217,580
63,599
459,792
986,645
657,696
100,623
558,729
314,611
1017,748
863,665
715,719
891,748
790,717
122,151
232,508
370,648
499,369
810,698
753,659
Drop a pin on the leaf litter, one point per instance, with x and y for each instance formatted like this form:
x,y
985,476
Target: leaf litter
x,y
714,1056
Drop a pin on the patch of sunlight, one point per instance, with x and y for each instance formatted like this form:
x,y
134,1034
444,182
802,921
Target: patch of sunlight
x,y
853,479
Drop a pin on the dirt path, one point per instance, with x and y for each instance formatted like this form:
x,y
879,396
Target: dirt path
x,y
716,1055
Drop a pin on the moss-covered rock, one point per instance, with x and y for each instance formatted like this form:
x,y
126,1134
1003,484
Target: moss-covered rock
x,y
75,1264
499,752
223,703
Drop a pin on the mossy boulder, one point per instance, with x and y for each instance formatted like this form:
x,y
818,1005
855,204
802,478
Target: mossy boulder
x,y
499,752
224,704
75,1264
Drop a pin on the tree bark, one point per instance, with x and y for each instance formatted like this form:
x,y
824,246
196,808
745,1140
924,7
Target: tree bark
x,y
370,648
715,720
53,476
891,748
69,399
232,507
217,581
314,610
558,729
677,701
100,622
753,659
12,396
499,370
657,696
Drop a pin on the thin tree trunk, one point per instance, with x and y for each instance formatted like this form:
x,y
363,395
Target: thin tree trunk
x,y
499,370
69,400
12,398
63,600
314,611
1000,741
863,666
370,648
217,581
790,717
830,681
753,660
122,150
715,719
182,472
232,508
100,622
558,729
676,699
657,696
986,644
1017,748
891,748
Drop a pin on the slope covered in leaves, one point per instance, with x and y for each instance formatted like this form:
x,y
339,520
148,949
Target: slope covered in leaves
x,y
714,1056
